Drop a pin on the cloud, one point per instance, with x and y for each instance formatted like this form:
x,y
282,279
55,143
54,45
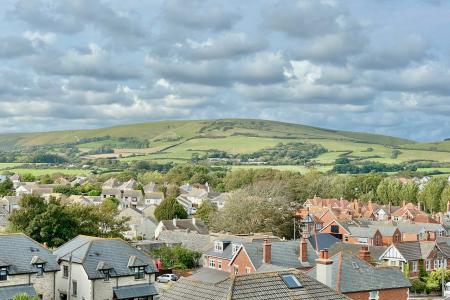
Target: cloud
x,y
91,62
13,46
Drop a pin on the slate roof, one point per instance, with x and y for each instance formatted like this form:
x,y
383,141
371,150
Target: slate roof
x,y
154,195
365,232
415,250
110,183
8,292
227,252
186,224
284,253
351,274
261,286
150,188
209,275
111,191
375,251
132,193
18,250
324,240
135,291
4,216
90,251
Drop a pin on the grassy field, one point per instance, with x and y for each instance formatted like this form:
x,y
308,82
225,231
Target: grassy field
x,y
177,141
38,172
300,169
9,165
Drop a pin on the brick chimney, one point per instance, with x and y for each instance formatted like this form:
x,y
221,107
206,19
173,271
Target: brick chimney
x,y
303,250
324,268
267,251
364,253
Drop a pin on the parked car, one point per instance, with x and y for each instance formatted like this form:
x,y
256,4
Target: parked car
x,y
166,278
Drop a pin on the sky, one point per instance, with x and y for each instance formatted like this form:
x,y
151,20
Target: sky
x,y
377,66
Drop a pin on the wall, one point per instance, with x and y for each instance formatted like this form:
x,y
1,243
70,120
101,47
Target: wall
x,y
241,262
389,294
79,275
42,284
104,289
225,263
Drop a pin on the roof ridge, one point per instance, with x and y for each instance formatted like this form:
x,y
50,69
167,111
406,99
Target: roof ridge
x,y
339,271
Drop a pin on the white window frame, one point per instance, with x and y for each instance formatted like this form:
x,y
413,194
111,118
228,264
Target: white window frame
x,y
218,246
373,295
427,265
219,264
212,263
414,266
248,270
234,248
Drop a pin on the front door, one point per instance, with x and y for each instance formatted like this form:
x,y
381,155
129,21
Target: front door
x,y
63,296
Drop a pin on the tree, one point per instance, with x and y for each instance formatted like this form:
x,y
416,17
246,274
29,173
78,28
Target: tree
x,y
177,257
170,209
28,177
431,194
206,211
389,191
6,187
445,197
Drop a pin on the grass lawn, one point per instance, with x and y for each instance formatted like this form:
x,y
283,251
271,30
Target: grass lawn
x,y
38,172
9,165
292,168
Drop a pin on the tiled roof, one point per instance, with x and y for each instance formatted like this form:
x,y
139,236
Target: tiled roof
x,y
89,251
135,291
366,232
186,224
285,254
18,250
261,286
8,292
111,191
375,251
415,250
324,240
351,274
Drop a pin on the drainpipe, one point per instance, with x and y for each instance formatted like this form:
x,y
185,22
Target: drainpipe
x,y
70,276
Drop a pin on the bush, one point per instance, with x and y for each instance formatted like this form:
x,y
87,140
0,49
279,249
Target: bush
x,y
418,286
177,257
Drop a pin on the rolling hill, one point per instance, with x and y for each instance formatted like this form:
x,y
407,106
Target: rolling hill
x,y
178,140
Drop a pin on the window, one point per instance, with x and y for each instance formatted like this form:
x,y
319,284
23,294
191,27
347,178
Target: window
x,y
236,269
219,264
438,263
74,288
107,275
373,295
65,271
212,263
234,248
346,238
247,270
3,274
218,246
363,241
334,228
139,273
414,266
428,264
40,296
40,269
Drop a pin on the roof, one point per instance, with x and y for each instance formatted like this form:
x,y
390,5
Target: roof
x,y
4,217
227,251
284,253
129,185
110,183
90,251
415,250
150,188
375,251
154,195
325,241
135,291
261,286
132,193
367,232
210,275
8,292
18,251
351,274
186,224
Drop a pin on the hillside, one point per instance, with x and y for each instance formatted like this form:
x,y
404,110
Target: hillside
x,y
178,141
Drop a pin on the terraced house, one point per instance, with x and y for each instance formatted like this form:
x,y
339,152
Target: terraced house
x,y
26,267
103,269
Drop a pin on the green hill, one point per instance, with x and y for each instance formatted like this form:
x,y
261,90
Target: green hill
x,y
178,141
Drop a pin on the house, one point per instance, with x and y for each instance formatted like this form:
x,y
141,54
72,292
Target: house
x,y
338,229
191,225
111,183
269,256
96,268
125,193
384,212
409,212
285,284
420,231
153,198
139,224
357,279
26,267
218,199
15,180
363,235
61,181
411,256
192,197
79,180
375,251
85,200
389,234
10,203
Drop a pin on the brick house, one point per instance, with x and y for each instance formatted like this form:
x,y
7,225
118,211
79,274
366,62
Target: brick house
x,y
26,267
412,256
364,235
389,235
357,279
337,229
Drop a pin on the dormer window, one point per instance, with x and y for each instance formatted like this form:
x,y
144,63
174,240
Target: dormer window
x,y
40,269
234,248
3,273
107,274
139,273
218,246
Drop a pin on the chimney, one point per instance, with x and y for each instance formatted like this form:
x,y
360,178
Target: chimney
x,y
303,250
324,268
364,253
193,221
174,221
267,252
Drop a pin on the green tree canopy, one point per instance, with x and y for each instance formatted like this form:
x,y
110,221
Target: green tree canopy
x,y
206,211
170,209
